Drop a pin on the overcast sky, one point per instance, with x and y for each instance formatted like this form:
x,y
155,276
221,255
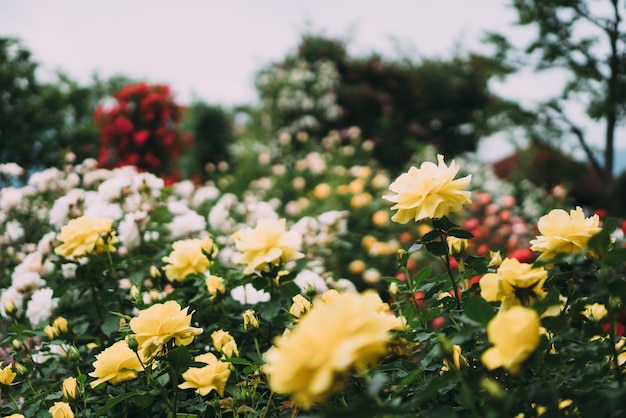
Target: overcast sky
x,y
212,49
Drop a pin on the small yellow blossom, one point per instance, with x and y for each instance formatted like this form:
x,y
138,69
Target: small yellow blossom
x,y
61,410
515,334
595,311
189,256
69,388
514,283
115,364
213,376
157,325
250,320
86,235
7,375
224,343
268,243
564,233
215,285
60,324
428,192
495,259
300,306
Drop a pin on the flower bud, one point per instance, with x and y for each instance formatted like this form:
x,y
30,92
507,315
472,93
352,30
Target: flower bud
x,y
73,354
250,320
70,388
132,342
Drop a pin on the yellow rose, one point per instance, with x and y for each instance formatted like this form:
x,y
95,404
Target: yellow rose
x,y
225,343
61,410
213,376
215,285
60,324
250,319
356,334
457,360
428,192
595,311
7,375
189,256
515,334
564,233
157,325
50,331
456,246
300,306
86,235
514,283
268,243
115,364
69,388
14,416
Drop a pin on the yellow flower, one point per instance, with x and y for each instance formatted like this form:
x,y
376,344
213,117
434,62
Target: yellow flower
x,y
595,311
7,375
250,319
268,243
85,235
69,388
14,416
50,331
515,334
310,366
514,283
213,376
189,256
428,192
564,233
495,259
61,410
224,343
157,325
60,324
458,360
115,364
456,246
300,306
215,285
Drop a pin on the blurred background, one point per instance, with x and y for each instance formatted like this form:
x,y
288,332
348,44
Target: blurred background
x,y
463,77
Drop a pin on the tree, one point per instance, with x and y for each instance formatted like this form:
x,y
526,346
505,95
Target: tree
x,y
401,105
587,40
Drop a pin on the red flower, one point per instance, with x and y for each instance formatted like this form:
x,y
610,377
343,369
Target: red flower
x,y
523,255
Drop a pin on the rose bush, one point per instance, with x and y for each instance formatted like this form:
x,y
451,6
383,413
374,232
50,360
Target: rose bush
x,y
259,317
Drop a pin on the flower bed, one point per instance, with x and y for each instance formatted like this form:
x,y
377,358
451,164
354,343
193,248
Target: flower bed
x,y
121,296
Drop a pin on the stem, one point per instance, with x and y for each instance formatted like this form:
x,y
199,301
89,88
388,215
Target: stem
x,y
455,287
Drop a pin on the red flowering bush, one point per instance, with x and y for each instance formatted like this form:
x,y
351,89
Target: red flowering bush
x,y
142,129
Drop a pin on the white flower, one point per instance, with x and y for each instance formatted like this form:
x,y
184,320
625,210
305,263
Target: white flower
x,y
68,270
26,281
184,189
60,212
261,210
186,224
129,232
249,295
147,182
103,210
10,197
46,179
46,243
203,194
308,280
41,305
14,230
11,169
11,297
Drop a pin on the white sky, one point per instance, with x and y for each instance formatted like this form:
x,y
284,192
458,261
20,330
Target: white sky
x,y
212,49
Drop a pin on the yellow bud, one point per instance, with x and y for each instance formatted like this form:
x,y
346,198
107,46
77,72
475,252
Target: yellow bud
x,y
300,306
70,388
250,320
50,331
60,324
155,272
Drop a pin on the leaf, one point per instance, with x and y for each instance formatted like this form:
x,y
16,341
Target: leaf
x,y
432,235
478,309
114,401
415,248
550,300
460,233
268,311
422,274
437,248
110,325
180,358
615,257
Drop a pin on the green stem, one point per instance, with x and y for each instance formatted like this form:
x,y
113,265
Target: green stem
x,y
455,287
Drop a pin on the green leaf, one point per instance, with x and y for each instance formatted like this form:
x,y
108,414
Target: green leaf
x,y
460,233
422,275
478,309
114,401
432,235
550,300
615,257
110,325
415,247
437,248
180,358
268,311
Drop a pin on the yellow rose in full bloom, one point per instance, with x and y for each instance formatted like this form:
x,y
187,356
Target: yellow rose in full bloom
x,y
310,366
213,376
564,233
61,410
115,364
515,334
224,343
428,192
69,388
514,283
7,375
157,325
189,256
86,235
268,243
